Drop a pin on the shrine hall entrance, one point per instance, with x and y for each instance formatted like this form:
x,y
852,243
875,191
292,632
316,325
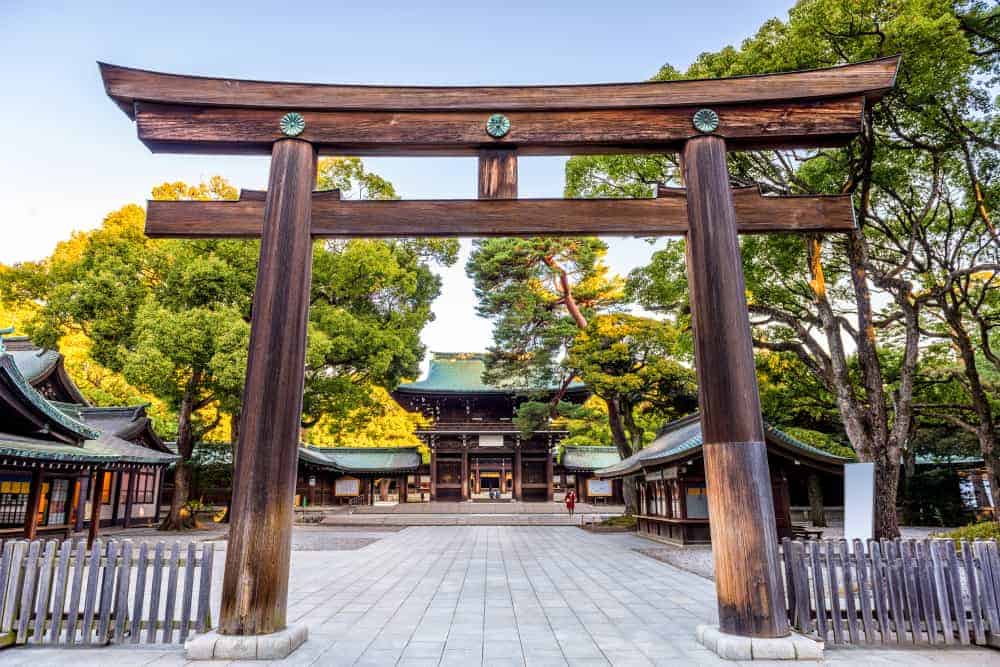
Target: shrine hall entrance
x,y
491,478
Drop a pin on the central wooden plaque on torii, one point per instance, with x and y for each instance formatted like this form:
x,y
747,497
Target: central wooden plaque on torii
x,y
701,119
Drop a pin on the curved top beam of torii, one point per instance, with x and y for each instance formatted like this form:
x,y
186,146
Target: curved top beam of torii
x,y
191,114
128,85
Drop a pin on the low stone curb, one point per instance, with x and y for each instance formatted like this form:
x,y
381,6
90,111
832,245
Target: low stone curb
x,y
737,647
275,646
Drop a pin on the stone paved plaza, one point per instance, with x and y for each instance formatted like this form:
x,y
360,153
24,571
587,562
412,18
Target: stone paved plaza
x,y
494,595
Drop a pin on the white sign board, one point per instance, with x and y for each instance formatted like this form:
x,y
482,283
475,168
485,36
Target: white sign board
x,y
491,440
859,501
598,487
347,486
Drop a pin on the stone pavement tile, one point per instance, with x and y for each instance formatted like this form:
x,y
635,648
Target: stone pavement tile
x,y
507,633
503,662
379,658
587,662
383,643
423,649
544,661
417,662
580,649
495,649
628,659
175,659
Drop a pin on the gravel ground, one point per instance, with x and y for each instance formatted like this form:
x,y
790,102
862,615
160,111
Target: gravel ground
x,y
304,538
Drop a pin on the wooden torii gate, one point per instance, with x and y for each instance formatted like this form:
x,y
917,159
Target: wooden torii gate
x,y
702,119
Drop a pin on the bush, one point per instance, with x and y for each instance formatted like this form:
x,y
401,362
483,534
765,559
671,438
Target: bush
x,y
627,521
985,530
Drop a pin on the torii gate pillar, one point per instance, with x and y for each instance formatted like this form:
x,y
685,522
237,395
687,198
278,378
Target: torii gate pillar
x,y
744,539
255,586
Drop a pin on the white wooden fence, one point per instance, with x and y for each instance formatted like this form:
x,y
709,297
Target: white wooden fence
x,y
894,591
54,592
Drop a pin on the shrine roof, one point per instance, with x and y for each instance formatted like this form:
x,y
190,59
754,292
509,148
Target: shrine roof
x,y
682,439
39,364
589,458
125,422
462,373
106,449
362,459
26,400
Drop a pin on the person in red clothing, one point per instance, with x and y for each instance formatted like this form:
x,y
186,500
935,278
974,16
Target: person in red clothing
x,y
571,502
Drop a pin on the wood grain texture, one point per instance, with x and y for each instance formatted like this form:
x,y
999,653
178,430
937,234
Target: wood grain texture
x,y
127,86
744,537
255,585
95,506
497,173
34,503
238,130
335,218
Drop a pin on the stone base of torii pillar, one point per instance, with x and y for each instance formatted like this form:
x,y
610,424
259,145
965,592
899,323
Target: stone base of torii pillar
x,y
275,646
737,647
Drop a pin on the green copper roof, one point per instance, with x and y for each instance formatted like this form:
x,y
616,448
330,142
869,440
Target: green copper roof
x,y
366,459
589,458
106,449
681,438
34,364
460,373
10,369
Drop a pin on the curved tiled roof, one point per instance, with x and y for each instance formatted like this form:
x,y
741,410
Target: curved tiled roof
x,y
589,458
125,422
105,449
38,365
681,438
461,373
10,373
363,459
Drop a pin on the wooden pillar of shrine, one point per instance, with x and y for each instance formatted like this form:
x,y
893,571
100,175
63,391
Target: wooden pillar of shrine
x,y
115,495
548,475
129,498
34,502
518,473
403,489
79,510
255,585
96,496
744,541
434,475
465,473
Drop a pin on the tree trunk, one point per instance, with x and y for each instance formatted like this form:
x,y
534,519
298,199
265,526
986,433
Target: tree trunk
x,y
234,437
182,469
985,424
886,487
816,513
622,442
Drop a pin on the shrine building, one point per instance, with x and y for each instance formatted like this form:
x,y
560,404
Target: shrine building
x,y
54,448
670,476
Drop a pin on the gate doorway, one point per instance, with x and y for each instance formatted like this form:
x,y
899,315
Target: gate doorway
x,y
492,479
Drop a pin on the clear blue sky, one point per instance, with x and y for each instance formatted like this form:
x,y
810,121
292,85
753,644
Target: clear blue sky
x,y
70,155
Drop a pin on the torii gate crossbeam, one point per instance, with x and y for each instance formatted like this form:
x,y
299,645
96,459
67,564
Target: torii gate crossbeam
x,y
700,119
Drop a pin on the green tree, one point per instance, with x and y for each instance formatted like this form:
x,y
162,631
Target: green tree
x,y
173,316
838,303
634,364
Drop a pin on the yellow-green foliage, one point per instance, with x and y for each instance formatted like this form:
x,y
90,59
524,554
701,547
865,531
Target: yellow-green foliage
x,y
984,530
624,521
